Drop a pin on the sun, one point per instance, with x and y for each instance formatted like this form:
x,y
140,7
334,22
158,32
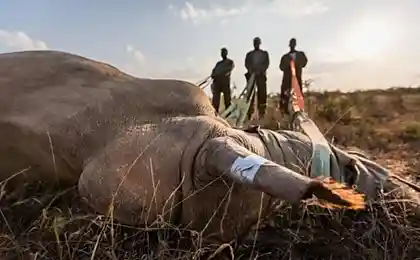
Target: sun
x,y
369,38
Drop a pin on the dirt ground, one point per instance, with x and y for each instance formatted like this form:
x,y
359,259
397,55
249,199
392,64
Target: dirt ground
x,y
38,223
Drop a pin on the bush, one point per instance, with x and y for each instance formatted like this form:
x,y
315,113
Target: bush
x,y
411,132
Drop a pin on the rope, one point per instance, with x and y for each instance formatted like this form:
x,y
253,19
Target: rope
x,y
203,81
406,182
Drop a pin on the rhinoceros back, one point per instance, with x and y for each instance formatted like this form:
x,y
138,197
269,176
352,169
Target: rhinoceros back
x,y
58,109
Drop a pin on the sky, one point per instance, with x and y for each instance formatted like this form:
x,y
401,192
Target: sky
x,y
349,44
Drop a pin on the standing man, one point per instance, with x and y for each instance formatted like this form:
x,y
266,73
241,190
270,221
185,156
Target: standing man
x,y
221,80
300,62
257,62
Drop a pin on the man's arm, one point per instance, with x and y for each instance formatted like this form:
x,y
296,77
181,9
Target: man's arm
x,y
232,66
216,70
226,67
248,62
266,61
213,72
283,63
304,60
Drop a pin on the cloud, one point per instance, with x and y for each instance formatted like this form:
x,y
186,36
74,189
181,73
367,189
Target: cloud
x,y
294,8
182,69
189,12
135,53
20,41
136,63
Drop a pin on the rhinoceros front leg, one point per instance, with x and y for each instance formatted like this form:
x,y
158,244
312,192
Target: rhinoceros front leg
x,y
227,157
136,175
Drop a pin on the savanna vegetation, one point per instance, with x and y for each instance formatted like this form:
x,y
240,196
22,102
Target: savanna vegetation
x,y
37,222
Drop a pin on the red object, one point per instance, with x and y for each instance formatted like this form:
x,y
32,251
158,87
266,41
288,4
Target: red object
x,y
298,102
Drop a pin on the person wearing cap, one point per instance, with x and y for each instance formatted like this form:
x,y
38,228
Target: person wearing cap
x,y
300,62
257,62
221,80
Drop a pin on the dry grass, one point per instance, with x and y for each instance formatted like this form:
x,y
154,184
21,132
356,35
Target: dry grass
x,y
44,224
40,223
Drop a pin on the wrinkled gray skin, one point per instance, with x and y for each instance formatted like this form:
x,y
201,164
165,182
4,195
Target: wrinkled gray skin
x,y
155,149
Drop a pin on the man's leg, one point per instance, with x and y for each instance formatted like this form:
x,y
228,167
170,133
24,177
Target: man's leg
x,y
227,94
261,95
216,96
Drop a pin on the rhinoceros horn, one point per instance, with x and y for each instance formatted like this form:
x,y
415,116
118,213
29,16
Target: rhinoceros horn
x,y
226,157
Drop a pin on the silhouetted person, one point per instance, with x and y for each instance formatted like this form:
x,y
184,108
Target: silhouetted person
x,y
257,62
300,62
221,80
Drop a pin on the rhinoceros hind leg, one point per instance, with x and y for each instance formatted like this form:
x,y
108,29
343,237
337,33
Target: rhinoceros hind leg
x,y
29,156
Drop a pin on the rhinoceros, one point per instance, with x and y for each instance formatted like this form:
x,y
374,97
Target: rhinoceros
x,y
154,149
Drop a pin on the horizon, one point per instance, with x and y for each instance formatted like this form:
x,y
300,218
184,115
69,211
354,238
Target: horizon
x,y
350,45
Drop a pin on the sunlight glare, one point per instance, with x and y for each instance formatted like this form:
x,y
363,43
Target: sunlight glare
x,y
369,38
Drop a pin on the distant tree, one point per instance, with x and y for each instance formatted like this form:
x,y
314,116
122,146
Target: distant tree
x,y
307,84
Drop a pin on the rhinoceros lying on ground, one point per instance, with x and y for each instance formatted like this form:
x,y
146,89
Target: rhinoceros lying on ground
x,y
155,149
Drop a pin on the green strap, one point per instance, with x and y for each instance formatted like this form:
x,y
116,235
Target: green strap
x,y
236,113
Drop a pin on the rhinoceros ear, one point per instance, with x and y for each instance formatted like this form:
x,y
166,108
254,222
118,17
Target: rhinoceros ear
x,y
226,156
